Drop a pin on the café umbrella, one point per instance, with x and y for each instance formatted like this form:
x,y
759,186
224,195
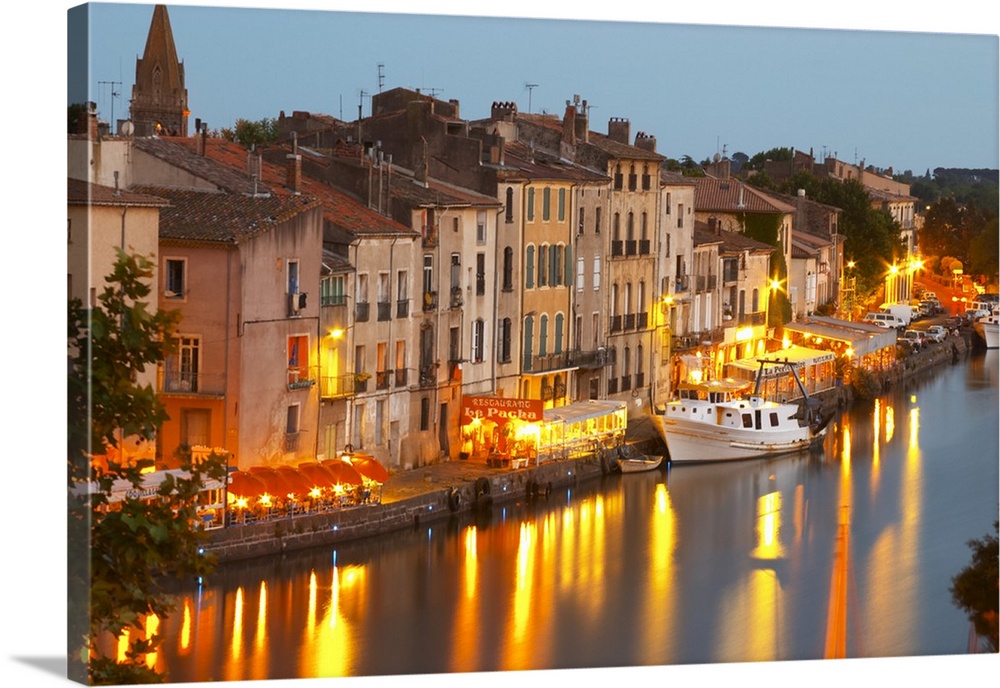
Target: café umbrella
x,y
343,473
299,484
368,466
317,474
275,482
246,485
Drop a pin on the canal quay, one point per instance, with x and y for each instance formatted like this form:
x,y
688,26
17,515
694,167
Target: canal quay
x,y
439,491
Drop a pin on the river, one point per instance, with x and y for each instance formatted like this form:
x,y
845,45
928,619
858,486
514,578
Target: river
x,y
844,552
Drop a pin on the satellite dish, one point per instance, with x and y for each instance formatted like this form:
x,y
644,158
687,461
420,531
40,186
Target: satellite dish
x,y
127,128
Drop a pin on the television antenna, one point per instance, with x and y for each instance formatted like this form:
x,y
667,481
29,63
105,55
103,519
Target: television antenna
x,y
381,75
114,94
529,88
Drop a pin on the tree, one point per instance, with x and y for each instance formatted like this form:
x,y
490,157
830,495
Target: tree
x,y
76,113
118,554
249,133
975,587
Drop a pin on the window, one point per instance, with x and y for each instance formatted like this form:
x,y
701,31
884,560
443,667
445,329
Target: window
x,y
581,221
298,358
292,420
529,267
400,366
478,339
425,413
175,273
579,273
645,178
667,204
480,274
546,203
618,177
616,228
666,245
562,205
503,341
631,178
456,271
332,291
508,269
293,277
380,422
187,363
597,273
480,227
383,287
543,265
560,321
543,335
509,206
381,365
531,204
597,220
630,226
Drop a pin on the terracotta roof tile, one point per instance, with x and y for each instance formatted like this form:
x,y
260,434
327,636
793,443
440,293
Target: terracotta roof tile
x,y
732,195
339,209
80,192
223,218
180,153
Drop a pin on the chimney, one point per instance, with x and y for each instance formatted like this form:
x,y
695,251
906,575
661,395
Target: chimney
x,y
504,111
421,171
619,129
645,142
569,125
88,124
293,167
583,124
713,225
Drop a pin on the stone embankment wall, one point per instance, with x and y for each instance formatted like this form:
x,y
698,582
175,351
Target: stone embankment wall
x,y
270,537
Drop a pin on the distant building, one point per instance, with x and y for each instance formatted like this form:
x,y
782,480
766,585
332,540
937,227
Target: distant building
x,y
159,97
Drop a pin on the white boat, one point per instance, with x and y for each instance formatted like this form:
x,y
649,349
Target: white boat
x,y
715,421
987,328
631,461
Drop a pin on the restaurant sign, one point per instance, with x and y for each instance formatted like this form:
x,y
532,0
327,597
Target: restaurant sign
x,y
503,409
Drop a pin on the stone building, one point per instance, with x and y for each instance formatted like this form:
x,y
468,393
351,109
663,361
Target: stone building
x,y
159,97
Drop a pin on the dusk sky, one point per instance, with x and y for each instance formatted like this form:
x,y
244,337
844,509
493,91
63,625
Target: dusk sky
x,y
908,100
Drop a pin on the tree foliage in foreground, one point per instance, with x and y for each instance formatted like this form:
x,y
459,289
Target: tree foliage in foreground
x,y
975,588
119,553
248,133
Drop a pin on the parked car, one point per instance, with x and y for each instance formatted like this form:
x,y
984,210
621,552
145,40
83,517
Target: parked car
x,y
886,320
936,333
927,295
914,339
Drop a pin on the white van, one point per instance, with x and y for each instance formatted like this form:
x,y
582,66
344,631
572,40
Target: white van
x,y
900,310
886,320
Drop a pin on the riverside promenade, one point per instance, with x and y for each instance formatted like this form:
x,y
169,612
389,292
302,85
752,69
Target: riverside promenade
x,y
446,489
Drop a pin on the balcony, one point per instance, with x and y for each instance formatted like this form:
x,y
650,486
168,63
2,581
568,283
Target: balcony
x,y
361,311
403,308
429,238
201,384
751,319
291,443
428,376
337,386
644,247
456,297
333,300
382,378
298,378
613,385
550,362
430,301
617,248
640,380
595,359
631,247
626,383
682,283
400,377
642,322
630,321
616,323
361,382
383,311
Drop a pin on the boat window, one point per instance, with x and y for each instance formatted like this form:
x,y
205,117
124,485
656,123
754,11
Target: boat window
x,y
747,420
774,419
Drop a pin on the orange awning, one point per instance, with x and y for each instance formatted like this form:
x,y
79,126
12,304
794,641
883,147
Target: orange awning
x,y
368,466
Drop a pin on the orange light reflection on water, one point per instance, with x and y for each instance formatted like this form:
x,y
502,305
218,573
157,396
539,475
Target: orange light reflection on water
x,y
656,640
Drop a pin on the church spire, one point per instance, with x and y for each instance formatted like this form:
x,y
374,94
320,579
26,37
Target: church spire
x,y
159,98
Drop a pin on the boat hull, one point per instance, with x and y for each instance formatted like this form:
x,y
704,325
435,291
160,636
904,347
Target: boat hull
x,y
639,465
991,334
693,442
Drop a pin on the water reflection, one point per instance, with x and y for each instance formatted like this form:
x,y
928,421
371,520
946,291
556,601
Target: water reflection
x,y
843,553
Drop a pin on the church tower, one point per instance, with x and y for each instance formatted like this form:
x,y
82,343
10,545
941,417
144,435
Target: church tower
x,y
159,98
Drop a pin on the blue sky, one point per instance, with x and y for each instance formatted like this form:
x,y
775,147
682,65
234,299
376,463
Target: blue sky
x,y
906,99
